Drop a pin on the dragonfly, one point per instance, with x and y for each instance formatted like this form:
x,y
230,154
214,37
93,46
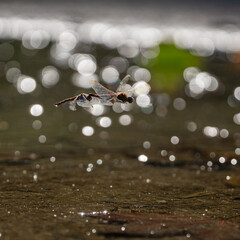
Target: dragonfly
x,y
102,95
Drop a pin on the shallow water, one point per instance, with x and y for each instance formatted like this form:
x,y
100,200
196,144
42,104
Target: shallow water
x,y
55,180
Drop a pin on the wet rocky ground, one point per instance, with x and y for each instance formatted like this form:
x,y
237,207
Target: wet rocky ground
x,y
120,197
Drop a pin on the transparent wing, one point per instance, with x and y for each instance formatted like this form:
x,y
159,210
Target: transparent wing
x,y
88,109
107,100
72,104
130,92
100,89
123,83
104,93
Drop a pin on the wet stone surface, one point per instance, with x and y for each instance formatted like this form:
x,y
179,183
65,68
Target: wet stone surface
x,y
58,198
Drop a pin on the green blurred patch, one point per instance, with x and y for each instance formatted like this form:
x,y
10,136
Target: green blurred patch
x,y
167,68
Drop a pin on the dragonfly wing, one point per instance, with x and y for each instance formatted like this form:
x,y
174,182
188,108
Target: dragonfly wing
x,y
130,92
72,104
107,100
88,109
123,83
100,89
105,94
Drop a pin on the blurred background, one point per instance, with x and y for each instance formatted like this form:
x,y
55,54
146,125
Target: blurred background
x,y
184,54
187,53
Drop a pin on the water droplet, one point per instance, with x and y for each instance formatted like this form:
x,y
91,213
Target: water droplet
x,y
142,158
52,159
35,177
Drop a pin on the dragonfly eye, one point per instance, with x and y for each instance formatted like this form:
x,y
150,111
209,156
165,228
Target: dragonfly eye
x,y
80,97
130,99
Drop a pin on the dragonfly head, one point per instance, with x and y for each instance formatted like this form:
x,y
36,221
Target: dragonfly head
x,y
130,99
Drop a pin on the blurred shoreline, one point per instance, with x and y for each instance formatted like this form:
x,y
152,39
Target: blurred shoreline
x,y
155,13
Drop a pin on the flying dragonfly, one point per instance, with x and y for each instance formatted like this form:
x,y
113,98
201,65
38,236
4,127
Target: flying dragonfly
x,y
103,96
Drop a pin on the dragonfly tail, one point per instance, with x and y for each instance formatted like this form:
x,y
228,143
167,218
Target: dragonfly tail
x,y
63,101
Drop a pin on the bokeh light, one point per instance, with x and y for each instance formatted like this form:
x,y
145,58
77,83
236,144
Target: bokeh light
x,y
26,84
210,131
88,131
83,81
143,100
237,93
104,122
97,109
37,124
236,118
50,76
141,74
110,74
42,139
179,104
129,49
141,87
36,39
125,119
174,140
36,110
146,144
192,126
142,158
13,74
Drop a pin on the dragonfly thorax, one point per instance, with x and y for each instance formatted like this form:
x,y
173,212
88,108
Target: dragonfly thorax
x,y
124,98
